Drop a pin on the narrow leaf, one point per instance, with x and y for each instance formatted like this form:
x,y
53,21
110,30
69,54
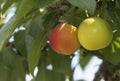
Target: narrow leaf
x,y
24,7
7,5
9,27
34,55
7,30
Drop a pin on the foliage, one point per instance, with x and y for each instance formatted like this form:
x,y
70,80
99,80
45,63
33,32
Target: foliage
x,y
30,47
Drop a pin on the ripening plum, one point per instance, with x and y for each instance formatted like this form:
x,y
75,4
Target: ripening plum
x,y
64,40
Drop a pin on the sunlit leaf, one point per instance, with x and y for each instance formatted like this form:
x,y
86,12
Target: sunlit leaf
x,y
7,30
7,5
9,27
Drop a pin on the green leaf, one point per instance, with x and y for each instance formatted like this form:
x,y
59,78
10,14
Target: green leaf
x,y
20,43
29,40
112,53
11,66
118,4
24,7
44,3
113,17
7,30
35,52
50,19
60,63
7,5
18,73
6,65
89,5
48,75
34,26
9,27
84,59
10,55
1,1
4,74
72,16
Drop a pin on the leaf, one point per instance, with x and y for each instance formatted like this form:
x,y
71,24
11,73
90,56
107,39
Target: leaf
x,y
1,1
7,30
112,53
84,60
10,55
89,5
44,3
34,26
49,20
20,43
48,75
29,40
60,63
113,17
9,27
35,52
6,65
4,74
24,7
7,5
72,16
18,73
12,68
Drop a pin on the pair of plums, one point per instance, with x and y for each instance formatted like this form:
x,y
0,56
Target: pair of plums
x,y
93,34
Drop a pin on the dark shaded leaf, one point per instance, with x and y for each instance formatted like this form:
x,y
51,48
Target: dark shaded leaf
x,y
89,5
34,26
44,3
20,43
18,73
10,55
12,68
48,75
60,63
29,40
112,53
74,16
50,19
84,59
4,73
